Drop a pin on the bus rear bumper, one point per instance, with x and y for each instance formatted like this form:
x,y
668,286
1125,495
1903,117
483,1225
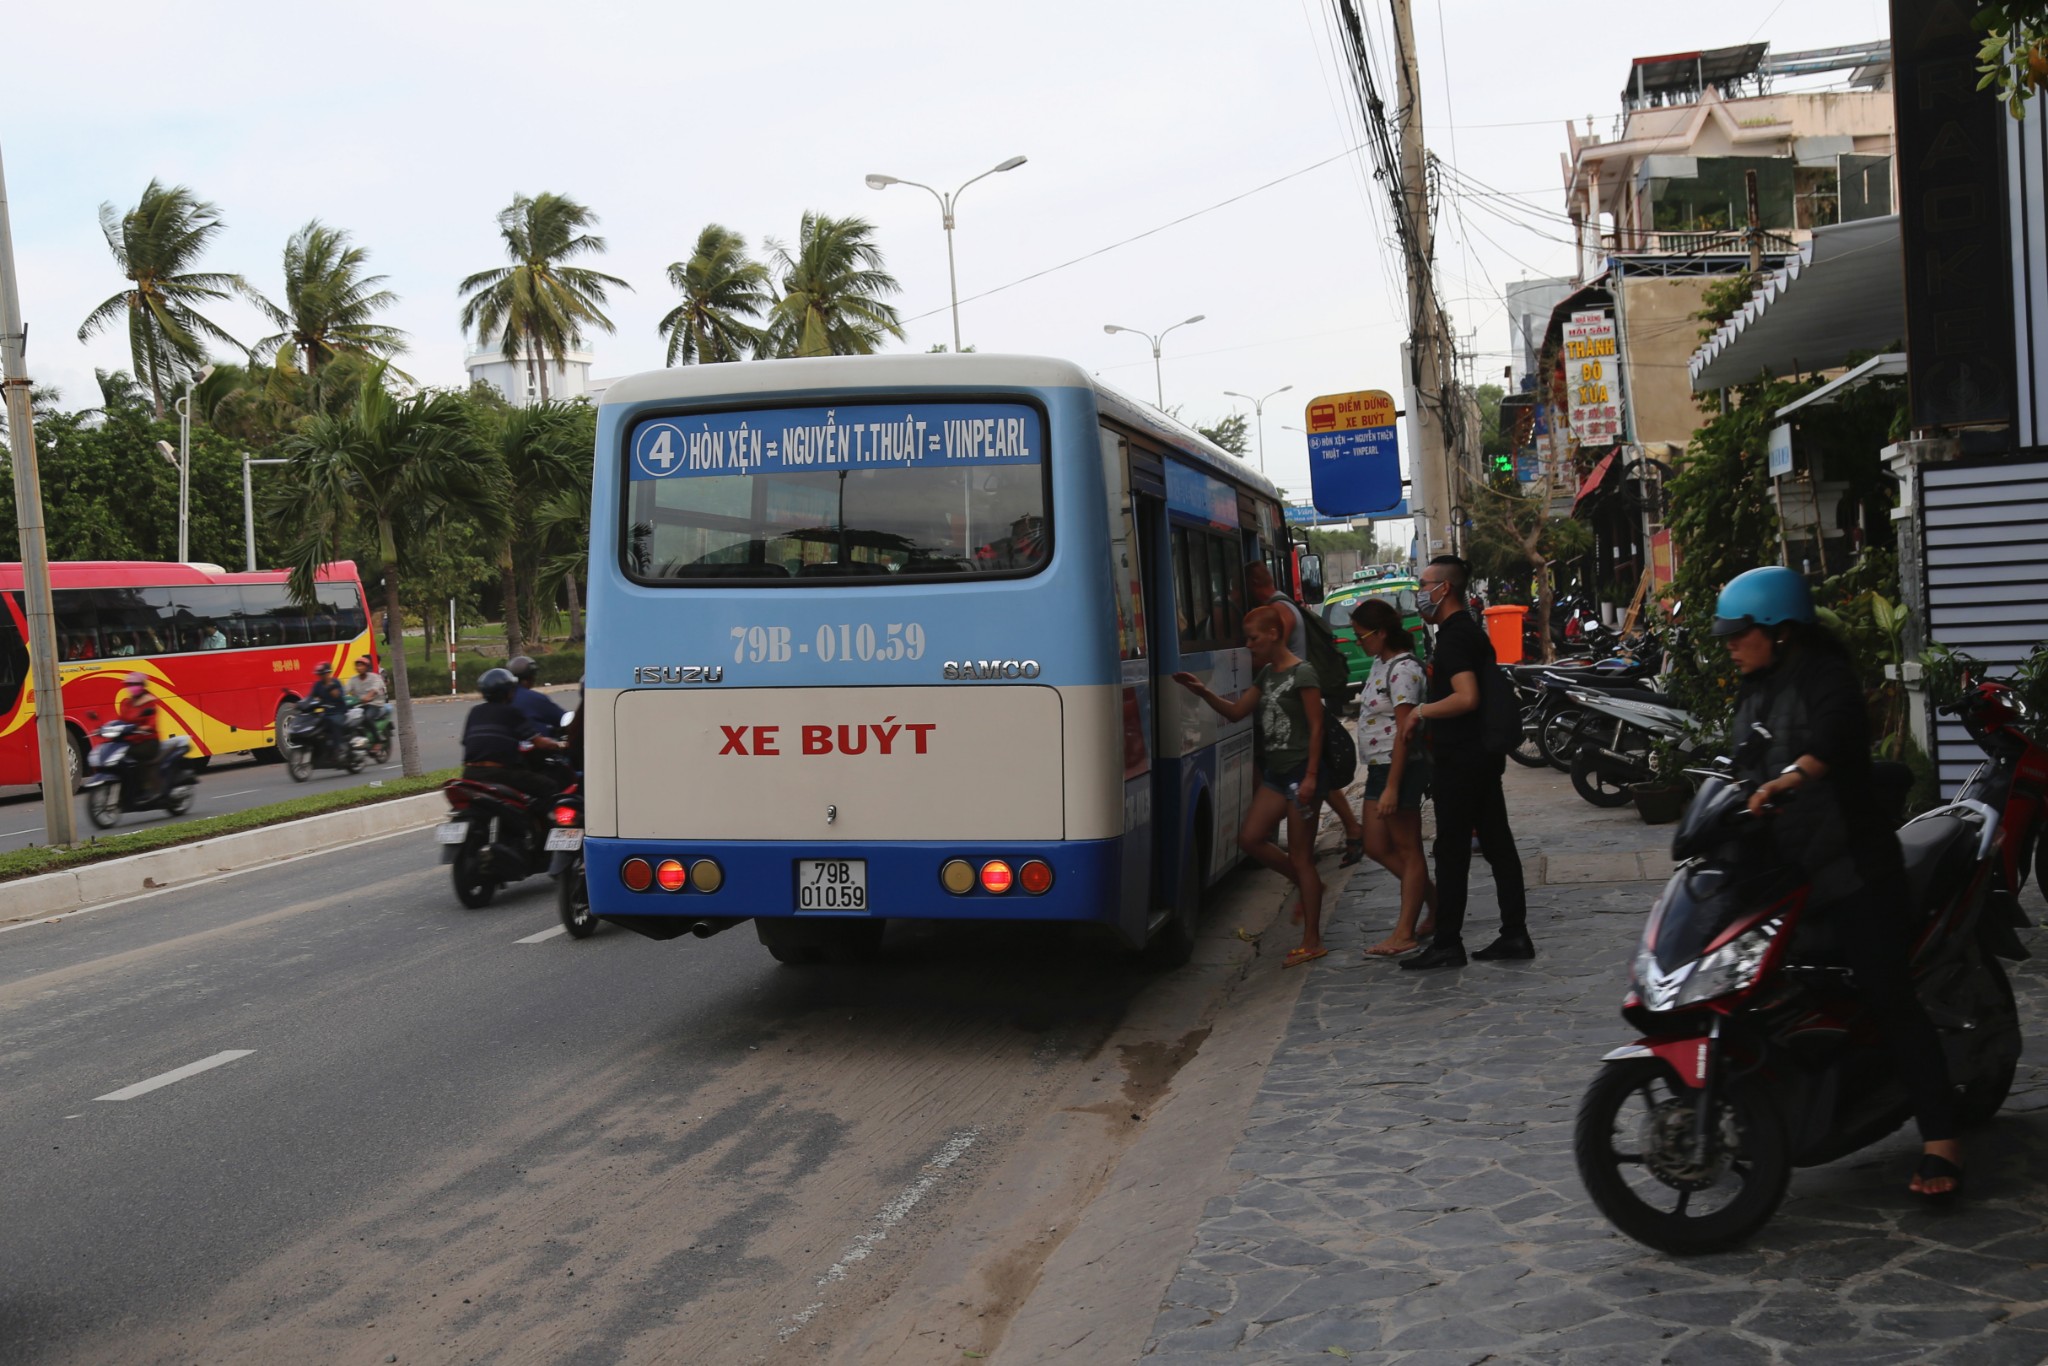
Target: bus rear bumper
x,y
759,879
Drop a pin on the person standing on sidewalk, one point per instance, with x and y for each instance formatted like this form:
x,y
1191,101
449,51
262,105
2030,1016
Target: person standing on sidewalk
x,y
1287,697
1465,778
1396,771
1258,582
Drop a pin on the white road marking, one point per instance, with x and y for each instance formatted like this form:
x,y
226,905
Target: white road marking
x,y
247,790
32,830
206,881
544,934
895,1212
190,1069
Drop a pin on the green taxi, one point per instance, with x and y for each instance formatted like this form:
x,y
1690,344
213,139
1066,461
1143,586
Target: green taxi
x,y
1336,610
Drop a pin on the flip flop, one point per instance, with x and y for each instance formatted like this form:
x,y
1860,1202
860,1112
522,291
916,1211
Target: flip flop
x,y
1932,1166
1354,850
1296,957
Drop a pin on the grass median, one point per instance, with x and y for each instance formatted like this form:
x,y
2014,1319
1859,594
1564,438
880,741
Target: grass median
x,y
21,863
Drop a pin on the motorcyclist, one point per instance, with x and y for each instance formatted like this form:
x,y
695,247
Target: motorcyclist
x,y
366,690
537,705
137,706
1799,685
498,735
331,698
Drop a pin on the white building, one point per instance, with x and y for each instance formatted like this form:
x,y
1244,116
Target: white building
x,y
568,375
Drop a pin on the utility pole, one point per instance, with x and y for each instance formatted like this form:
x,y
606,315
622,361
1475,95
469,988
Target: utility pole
x,y
60,818
1432,491
1755,234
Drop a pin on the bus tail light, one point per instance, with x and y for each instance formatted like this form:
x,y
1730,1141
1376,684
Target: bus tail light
x,y
706,875
637,874
1035,877
995,876
670,874
957,876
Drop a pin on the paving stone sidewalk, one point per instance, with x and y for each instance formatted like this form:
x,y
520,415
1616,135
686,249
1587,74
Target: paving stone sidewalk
x,y
1409,1194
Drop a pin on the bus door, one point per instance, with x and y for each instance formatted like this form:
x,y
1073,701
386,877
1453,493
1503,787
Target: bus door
x,y
1162,786
1134,486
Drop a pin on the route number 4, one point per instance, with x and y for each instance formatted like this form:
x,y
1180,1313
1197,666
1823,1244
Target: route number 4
x,y
663,451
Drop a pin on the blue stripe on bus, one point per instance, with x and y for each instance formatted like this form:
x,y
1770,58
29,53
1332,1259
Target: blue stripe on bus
x,y
902,879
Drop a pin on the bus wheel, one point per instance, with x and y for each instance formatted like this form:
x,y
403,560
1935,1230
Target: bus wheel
x,y
75,761
1173,943
278,748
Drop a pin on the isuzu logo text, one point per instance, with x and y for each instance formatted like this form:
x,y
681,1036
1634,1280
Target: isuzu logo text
x,y
659,674
967,670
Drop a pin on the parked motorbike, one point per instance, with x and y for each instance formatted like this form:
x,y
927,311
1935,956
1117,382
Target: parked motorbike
x,y
1619,730
1550,720
2015,784
565,864
1755,1055
309,745
113,780
495,835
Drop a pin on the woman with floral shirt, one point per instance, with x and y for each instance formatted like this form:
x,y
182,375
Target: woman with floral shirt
x,y
1396,775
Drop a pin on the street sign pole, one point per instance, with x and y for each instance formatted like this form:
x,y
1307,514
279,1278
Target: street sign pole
x,y
60,818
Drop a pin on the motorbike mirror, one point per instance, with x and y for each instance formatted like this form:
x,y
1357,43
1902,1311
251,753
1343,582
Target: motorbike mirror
x,y
1753,747
567,718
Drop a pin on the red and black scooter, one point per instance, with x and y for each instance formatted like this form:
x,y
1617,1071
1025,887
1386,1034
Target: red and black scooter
x,y
1756,1056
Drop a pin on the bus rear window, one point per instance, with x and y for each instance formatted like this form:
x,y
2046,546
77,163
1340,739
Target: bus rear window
x,y
854,492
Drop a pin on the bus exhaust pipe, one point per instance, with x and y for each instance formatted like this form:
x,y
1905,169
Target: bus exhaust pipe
x,y
704,929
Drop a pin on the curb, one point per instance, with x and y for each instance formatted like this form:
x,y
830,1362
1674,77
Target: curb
x,y
72,889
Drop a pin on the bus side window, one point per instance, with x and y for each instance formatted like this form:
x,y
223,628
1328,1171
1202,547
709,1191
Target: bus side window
x,y
1191,577
1226,591
77,624
270,617
341,612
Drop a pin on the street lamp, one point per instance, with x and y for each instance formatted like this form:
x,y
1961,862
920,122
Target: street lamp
x,y
249,507
184,462
1158,383
1259,408
946,203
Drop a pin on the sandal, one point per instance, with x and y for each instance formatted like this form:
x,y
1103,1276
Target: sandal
x,y
1296,957
1932,1167
1387,948
1354,850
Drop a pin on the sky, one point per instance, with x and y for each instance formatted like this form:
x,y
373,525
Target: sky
x,y
412,125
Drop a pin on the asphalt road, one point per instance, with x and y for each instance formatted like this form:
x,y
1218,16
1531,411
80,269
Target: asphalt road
x,y
237,784
320,1112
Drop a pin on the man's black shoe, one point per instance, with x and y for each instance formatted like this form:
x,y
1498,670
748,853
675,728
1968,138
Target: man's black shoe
x,y
1436,956
1508,946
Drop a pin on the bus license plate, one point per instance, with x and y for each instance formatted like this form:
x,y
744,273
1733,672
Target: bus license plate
x,y
560,840
454,832
831,884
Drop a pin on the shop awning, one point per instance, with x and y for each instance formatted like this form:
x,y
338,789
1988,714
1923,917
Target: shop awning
x,y
1887,366
1592,484
1844,293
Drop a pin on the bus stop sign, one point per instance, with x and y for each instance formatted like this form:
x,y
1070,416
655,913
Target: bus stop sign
x,y
1354,462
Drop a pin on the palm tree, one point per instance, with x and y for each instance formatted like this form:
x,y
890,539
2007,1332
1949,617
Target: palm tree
x,y
538,304
328,302
382,473
564,520
156,244
539,451
832,291
721,288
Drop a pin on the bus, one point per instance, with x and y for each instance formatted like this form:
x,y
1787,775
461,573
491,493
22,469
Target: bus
x,y
877,638
228,654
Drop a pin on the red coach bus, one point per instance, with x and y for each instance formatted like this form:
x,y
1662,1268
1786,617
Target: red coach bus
x,y
225,652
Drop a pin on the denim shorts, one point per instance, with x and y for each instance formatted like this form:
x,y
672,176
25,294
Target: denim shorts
x,y
1280,781
1414,783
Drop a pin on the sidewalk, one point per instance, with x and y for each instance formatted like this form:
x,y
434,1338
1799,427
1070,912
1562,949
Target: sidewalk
x,y
1408,1193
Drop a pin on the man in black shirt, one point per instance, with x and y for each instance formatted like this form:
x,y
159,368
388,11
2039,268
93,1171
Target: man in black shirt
x,y
496,736
1465,778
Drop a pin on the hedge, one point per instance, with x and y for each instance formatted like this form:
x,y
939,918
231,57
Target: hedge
x,y
43,859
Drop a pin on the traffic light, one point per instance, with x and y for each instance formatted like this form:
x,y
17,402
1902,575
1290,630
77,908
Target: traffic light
x,y
1503,464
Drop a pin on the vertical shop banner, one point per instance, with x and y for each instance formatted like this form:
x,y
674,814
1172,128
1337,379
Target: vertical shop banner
x,y
1592,377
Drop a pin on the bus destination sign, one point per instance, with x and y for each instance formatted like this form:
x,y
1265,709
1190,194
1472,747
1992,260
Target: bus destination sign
x,y
847,437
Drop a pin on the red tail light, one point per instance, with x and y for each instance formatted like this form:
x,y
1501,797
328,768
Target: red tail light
x,y
566,815
1035,877
995,876
671,875
458,797
637,874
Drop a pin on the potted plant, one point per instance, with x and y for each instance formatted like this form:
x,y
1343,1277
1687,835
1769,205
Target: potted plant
x,y
1663,798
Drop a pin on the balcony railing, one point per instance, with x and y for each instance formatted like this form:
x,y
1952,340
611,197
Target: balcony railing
x,y
1694,243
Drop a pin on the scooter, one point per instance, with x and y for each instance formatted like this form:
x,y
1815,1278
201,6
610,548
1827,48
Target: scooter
x,y
496,834
308,745
1617,731
2015,783
564,844
1755,1055
113,784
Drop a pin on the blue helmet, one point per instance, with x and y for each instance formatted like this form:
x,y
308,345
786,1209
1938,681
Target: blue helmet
x,y
1762,597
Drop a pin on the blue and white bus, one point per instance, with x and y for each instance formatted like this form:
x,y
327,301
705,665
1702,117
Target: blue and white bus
x,y
879,638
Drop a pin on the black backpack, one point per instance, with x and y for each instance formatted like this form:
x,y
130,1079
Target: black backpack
x,y
1500,711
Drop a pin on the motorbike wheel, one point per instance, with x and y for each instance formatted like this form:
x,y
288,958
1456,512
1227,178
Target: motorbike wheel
x,y
1979,1099
572,899
473,886
298,760
1529,754
353,759
179,799
103,805
1633,1145
1559,738
1598,783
